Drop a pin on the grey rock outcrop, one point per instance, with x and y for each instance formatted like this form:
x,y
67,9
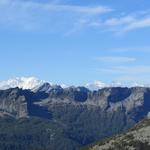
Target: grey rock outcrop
x,y
13,103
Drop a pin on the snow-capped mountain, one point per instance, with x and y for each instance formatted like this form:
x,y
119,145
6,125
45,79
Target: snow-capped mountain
x,y
31,83
22,82
35,84
96,85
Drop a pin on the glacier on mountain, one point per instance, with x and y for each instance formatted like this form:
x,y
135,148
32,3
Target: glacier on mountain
x,y
21,82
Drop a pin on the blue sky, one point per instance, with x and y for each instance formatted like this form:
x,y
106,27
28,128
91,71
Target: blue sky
x,y
75,42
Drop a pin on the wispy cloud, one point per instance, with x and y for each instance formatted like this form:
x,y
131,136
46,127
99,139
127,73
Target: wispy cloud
x,y
121,24
52,16
115,59
129,22
119,21
134,73
130,49
129,70
137,24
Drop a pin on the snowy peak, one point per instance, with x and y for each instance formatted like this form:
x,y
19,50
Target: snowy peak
x,y
96,85
47,87
35,84
31,83
22,82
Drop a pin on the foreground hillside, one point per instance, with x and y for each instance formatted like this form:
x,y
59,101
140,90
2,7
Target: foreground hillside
x,y
55,118
138,138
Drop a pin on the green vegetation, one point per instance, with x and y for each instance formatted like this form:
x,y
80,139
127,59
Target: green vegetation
x,y
32,134
70,128
126,141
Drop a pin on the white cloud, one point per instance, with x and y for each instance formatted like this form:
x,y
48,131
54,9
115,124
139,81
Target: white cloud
x,y
128,75
127,70
137,24
49,16
129,49
119,21
115,59
53,16
127,22
80,9
123,23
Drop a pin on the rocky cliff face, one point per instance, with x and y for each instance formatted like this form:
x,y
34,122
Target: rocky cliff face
x,y
82,116
13,103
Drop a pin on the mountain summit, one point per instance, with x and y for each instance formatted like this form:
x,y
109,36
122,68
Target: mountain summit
x,y
22,82
35,84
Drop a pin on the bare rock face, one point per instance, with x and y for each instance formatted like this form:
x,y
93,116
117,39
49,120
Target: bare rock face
x,y
83,116
13,103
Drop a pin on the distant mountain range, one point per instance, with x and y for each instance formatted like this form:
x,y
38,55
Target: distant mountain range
x,y
33,83
52,117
